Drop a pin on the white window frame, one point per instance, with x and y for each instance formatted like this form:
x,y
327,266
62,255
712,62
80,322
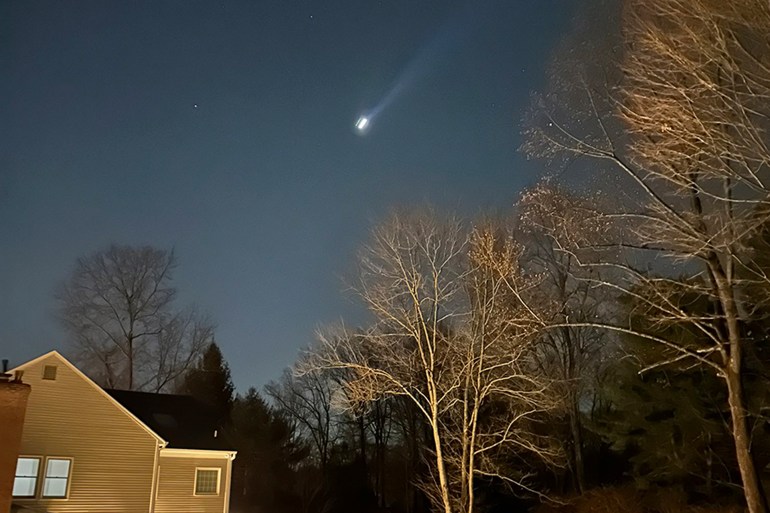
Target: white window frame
x,y
195,482
68,479
40,465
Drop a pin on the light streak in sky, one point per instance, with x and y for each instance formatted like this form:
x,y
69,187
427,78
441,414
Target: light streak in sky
x,y
446,39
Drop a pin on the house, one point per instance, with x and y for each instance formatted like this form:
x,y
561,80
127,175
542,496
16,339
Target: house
x,y
87,449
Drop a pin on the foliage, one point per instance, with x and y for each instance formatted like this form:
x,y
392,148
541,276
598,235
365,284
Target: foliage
x,y
629,500
691,144
672,425
269,452
209,380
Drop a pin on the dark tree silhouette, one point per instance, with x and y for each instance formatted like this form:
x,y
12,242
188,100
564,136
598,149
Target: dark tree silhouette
x,y
118,307
210,382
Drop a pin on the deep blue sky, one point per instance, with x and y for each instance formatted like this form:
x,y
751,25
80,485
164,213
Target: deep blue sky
x,y
263,189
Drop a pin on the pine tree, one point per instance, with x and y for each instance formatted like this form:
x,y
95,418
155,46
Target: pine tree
x,y
210,382
268,454
671,424
673,421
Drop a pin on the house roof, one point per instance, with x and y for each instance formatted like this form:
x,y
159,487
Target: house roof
x,y
176,421
183,421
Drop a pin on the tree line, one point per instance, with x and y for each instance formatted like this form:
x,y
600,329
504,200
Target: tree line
x,y
594,339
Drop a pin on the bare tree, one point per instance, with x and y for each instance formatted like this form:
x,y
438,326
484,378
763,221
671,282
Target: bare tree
x,y
693,105
572,356
180,343
307,400
453,335
411,438
118,309
380,421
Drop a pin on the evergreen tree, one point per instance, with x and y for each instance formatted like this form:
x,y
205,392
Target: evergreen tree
x,y
672,424
673,421
268,454
210,382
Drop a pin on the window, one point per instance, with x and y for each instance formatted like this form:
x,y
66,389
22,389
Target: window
x,y
25,483
49,372
207,481
57,475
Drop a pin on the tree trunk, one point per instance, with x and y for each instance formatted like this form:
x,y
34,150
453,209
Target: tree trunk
x,y
362,446
752,487
465,460
440,466
709,468
130,361
578,470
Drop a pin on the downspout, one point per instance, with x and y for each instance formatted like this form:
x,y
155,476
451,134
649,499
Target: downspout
x,y
155,475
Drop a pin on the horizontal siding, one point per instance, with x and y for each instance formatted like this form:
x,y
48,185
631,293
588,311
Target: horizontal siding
x,y
113,456
177,482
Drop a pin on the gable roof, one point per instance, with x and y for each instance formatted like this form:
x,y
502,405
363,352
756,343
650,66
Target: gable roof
x,y
175,421
183,421
96,387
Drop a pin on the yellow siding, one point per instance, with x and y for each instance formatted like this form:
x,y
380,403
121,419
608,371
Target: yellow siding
x,y
177,483
113,456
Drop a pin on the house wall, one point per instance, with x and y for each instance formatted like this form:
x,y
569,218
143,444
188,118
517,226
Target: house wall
x,y
177,483
113,455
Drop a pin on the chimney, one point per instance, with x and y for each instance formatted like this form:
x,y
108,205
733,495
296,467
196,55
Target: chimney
x,y
13,407
4,376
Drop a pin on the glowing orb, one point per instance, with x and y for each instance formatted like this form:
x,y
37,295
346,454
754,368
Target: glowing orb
x,y
362,123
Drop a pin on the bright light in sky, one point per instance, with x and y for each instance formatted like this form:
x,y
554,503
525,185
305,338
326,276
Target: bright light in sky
x,y
362,123
441,44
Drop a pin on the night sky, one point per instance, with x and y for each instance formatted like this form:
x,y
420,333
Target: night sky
x,y
225,130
